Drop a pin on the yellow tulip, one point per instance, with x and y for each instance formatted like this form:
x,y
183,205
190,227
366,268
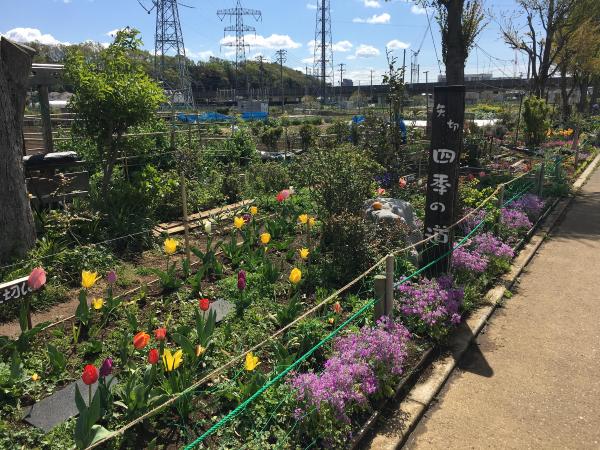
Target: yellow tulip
x,y
253,210
295,276
303,219
97,303
170,246
171,361
311,221
35,377
88,279
239,222
200,351
304,252
265,238
251,362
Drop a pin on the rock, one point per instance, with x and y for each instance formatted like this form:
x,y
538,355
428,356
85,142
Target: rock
x,y
392,210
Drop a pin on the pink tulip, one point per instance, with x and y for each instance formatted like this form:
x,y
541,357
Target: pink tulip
x,y
402,182
37,278
283,195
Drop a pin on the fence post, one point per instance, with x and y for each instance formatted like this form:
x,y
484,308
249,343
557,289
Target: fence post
x,y
389,286
379,310
540,180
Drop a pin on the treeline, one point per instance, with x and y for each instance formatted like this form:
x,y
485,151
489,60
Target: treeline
x,y
206,76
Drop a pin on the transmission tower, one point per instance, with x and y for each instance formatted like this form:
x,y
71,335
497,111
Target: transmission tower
x,y
281,57
168,38
323,55
239,28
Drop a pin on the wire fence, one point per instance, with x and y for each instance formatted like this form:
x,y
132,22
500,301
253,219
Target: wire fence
x,y
509,186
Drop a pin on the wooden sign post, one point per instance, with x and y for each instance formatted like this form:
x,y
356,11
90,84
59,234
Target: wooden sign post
x,y
442,182
17,290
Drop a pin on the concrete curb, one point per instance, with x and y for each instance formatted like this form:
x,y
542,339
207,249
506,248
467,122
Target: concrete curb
x,y
407,415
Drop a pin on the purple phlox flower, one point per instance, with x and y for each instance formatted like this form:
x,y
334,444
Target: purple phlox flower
x,y
530,204
514,218
489,245
467,225
463,259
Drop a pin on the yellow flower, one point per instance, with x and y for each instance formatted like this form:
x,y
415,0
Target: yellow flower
x,y
170,246
311,221
303,219
239,222
200,351
265,238
331,320
170,361
251,362
35,377
295,275
304,252
88,279
97,303
253,210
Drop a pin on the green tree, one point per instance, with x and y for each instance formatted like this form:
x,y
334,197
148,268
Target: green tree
x,y
111,94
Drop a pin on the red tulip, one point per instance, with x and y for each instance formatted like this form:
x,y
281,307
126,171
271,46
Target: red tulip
x,y
37,278
283,195
160,334
153,356
204,304
402,182
140,340
481,174
90,374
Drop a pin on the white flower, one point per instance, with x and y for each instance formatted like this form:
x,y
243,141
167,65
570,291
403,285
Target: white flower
x,y
208,226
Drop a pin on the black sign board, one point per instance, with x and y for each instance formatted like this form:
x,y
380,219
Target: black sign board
x,y
447,120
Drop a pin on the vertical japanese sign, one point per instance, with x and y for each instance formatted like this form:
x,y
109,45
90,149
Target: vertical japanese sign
x,y
442,181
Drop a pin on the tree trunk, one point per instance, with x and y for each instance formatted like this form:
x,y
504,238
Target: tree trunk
x,y
583,87
455,47
564,95
17,228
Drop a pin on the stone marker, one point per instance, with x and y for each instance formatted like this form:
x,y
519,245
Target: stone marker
x,y
393,210
59,407
221,307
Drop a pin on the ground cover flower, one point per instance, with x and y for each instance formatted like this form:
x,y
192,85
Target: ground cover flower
x,y
430,307
514,219
530,204
490,245
463,259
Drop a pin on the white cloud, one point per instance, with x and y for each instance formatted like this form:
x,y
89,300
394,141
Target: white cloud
x,y
372,3
113,33
363,76
416,9
26,35
365,51
204,55
259,41
374,19
342,46
308,60
395,44
311,6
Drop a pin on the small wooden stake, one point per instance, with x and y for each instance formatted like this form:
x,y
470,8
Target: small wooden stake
x,y
389,286
186,224
379,311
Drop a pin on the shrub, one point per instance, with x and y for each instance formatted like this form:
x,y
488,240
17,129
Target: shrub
x,y
535,116
269,177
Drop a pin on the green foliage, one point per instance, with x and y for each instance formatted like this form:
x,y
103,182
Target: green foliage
x,y
535,116
270,136
340,179
269,177
86,429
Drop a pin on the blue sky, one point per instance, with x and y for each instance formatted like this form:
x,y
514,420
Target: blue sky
x,y
361,30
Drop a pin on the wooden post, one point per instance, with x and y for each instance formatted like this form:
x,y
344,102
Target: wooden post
x,y
499,205
442,180
190,135
540,180
46,123
575,146
519,118
186,224
389,286
379,311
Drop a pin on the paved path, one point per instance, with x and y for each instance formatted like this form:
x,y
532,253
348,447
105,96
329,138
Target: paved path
x,y
532,381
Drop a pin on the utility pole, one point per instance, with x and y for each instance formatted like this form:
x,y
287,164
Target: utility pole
x,y
261,70
341,65
371,85
403,64
281,58
426,72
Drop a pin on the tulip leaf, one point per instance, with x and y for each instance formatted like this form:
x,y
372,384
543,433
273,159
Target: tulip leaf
x,y
185,344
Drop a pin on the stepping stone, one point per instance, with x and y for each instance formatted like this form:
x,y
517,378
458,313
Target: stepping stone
x,y
221,307
59,407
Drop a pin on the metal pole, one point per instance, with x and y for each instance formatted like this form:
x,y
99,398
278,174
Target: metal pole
x,y
519,118
427,103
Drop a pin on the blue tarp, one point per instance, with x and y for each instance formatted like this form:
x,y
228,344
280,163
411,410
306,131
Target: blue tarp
x,y
204,117
358,119
255,116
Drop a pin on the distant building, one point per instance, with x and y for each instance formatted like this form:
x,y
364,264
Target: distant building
x,y
470,77
347,82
